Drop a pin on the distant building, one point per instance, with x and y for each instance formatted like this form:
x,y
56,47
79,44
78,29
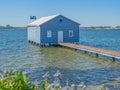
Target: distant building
x,y
52,30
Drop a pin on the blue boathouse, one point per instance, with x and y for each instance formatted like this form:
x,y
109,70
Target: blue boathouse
x,y
53,29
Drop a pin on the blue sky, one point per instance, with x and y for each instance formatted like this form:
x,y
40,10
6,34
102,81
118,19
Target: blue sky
x,y
86,12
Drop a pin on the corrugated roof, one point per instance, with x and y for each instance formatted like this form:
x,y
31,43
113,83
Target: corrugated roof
x,y
45,19
42,20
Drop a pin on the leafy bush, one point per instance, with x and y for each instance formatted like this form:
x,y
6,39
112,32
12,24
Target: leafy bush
x,y
17,80
57,86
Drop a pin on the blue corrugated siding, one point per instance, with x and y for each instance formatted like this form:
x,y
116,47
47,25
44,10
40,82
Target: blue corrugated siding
x,y
55,25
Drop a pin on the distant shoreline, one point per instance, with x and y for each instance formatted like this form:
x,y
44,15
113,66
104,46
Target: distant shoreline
x,y
99,29
25,28
13,28
82,28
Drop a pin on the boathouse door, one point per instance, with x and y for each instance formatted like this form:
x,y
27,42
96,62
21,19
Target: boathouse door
x,y
60,36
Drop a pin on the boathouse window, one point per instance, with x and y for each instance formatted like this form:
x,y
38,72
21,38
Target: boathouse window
x,y
70,33
49,33
60,20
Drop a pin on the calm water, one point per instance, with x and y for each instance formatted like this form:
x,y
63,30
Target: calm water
x,y
108,39
15,52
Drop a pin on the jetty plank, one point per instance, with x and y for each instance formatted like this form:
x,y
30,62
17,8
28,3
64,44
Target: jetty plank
x,y
110,53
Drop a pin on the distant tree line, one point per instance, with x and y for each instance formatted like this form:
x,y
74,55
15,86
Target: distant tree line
x,y
118,27
11,27
91,27
101,27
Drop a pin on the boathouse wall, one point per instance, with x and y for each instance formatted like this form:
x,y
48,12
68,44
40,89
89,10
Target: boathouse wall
x,y
57,24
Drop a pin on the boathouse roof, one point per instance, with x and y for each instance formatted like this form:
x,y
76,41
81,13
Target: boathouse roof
x,y
43,20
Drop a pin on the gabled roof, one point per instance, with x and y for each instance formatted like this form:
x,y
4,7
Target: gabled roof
x,y
43,20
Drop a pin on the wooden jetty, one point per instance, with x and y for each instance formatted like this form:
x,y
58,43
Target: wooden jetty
x,y
97,51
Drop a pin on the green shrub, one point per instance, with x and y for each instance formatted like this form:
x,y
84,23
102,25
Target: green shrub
x,y
16,81
19,81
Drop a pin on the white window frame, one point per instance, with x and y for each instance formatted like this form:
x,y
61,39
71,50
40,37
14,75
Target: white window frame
x,y
70,33
49,33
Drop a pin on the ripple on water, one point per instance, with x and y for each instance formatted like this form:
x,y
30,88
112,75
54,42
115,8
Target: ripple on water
x,y
75,66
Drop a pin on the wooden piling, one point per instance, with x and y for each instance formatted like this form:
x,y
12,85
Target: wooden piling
x,y
97,55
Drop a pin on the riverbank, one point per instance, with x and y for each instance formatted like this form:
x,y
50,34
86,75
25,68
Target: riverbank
x,y
99,28
14,28
81,28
